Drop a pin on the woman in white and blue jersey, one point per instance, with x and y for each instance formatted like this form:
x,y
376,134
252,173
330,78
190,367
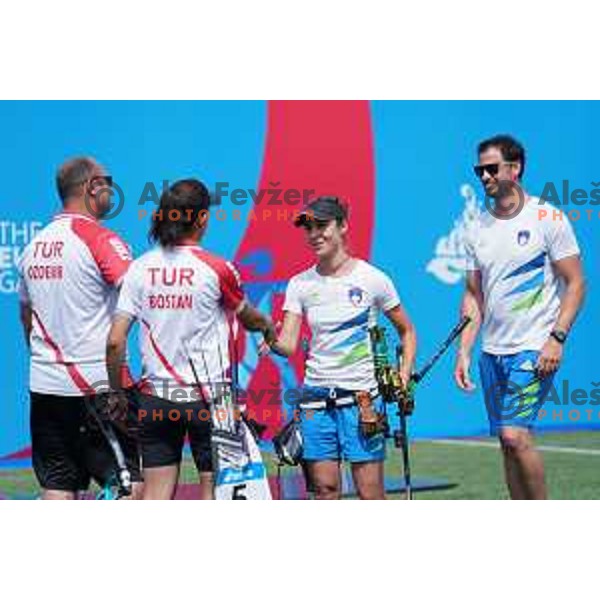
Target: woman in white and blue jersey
x,y
340,297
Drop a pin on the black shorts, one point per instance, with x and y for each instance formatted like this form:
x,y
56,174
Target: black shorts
x,y
164,426
68,448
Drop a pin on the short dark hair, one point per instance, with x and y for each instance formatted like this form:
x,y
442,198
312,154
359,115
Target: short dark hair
x,y
72,174
180,207
512,150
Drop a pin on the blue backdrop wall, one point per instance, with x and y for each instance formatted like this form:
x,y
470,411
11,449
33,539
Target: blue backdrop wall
x,y
423,192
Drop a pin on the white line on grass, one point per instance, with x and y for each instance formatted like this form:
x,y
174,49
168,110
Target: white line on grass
x,y
543,448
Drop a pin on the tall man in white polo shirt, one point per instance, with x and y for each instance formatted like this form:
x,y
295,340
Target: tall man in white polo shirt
x,y
525,285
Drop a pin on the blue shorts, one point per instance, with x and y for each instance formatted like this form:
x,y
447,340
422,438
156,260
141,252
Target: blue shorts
x,y
334,434
513,391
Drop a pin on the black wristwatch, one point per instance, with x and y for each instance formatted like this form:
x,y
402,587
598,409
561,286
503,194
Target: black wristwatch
x,y
559,335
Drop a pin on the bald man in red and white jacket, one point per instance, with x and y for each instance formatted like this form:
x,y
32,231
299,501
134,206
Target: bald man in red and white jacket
x,y
70,275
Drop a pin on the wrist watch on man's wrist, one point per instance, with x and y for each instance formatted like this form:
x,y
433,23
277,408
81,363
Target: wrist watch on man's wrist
x,y
559,335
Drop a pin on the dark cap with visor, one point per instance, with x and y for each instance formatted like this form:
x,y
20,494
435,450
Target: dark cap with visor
x,y
324,208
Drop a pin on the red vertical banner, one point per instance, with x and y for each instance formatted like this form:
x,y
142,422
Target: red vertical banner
x,y
312,148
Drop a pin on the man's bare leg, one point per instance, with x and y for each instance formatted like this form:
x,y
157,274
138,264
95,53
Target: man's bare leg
x,y
524,466
206,485
57,495
513,477
160,482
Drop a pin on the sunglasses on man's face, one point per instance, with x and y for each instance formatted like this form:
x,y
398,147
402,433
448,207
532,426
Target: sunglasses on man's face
x,y
492,169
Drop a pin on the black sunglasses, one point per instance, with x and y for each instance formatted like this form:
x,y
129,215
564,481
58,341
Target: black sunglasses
x,y
492,169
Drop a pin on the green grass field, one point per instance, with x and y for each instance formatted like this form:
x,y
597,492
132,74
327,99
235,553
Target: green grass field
x,y
479,474
572,468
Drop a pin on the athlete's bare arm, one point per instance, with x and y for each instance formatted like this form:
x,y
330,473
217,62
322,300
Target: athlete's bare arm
x,y
471,306
571,272
26,320
116,347
253,320
287,340
408,334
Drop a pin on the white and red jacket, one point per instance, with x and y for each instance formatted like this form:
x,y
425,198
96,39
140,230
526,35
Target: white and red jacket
x,y
69,276
185,300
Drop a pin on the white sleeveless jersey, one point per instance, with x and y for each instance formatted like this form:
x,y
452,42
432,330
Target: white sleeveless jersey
x,y
69,275
185,300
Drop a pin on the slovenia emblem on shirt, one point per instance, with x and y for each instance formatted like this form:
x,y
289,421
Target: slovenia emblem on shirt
x,y
356,296
523,237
